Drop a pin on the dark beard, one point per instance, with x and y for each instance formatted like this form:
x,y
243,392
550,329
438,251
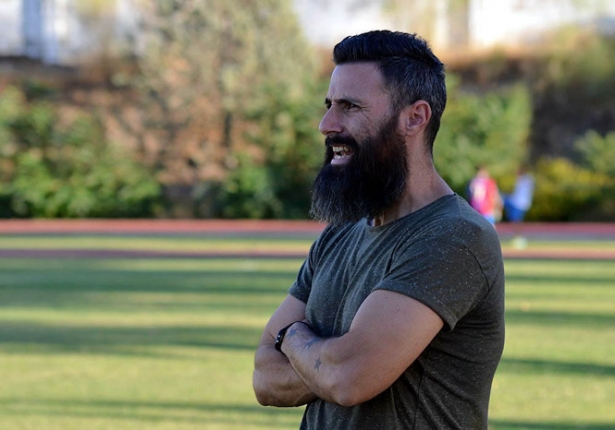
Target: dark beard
x,y
369,184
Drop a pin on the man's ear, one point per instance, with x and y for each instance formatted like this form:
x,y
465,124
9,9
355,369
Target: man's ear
x,y
415,117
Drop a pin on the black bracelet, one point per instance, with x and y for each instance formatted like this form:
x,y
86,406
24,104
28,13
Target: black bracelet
x,y
280,337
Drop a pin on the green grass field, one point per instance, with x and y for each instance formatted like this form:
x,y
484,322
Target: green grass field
x,y
168,343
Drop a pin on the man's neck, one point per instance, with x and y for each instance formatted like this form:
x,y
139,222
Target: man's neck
x,y
416,196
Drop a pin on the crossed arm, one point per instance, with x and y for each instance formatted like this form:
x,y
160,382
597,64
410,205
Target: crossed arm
x,y
387,334
275,382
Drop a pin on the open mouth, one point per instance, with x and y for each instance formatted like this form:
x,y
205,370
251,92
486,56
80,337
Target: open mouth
x,y
341,153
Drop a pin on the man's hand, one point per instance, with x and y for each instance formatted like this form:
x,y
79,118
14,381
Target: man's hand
x,y
275,382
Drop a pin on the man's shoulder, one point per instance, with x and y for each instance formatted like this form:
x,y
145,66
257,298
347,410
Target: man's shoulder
x,y
454,220
333,235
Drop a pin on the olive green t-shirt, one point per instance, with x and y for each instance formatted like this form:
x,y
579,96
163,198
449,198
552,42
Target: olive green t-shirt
x,y
446,256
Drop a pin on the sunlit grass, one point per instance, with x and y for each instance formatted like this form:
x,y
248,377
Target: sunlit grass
x,y
125,344
159,243
558,369
578,245
168,343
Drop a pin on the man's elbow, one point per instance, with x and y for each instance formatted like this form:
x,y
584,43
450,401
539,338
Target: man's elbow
x,y
263,396
345,392
263,399
267,396
348,396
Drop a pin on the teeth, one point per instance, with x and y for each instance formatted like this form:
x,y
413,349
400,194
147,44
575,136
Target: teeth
x,y
341,151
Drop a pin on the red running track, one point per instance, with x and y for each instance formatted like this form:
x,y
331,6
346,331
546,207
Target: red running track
x,y
552,231
13,226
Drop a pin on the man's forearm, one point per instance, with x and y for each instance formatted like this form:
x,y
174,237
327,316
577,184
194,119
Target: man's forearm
x,y
275,381
312,362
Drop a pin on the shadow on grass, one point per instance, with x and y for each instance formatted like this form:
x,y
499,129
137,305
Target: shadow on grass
x,y
556,280
555,318
16,337
533,366
116,292
528,425
144,412
184,281
152,411
166,291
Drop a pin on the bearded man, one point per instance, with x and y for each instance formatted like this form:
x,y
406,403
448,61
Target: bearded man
x,y
396,318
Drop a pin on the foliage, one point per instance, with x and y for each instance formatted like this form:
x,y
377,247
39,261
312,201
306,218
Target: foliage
x,y
275,182
249,193
572,84
490,129
494,129
54,167
577,191
223,110
581,63
217,78
598,152
565,191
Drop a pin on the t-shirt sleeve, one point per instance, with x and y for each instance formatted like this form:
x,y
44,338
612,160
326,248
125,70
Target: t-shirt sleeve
x,y
301,288
440,271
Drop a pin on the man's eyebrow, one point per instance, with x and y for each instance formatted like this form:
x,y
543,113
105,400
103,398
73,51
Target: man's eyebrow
x,y
329,102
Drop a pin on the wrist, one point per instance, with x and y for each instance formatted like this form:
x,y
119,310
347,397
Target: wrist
x,y
282,334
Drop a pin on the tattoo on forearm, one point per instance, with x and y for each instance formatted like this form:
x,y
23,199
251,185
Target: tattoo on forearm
x,y
317,364
311,342
291,332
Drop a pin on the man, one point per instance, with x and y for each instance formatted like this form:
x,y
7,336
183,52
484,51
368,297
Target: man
x,y
396,318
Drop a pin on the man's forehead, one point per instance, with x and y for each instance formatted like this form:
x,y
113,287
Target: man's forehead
x,y
359,70
353,79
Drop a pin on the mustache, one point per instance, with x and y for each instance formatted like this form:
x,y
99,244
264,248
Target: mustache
x,y
341,140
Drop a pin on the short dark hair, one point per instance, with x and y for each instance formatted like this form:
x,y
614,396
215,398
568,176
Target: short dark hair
x,y
410,70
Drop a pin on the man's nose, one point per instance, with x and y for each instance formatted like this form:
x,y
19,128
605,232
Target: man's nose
x,y
330,123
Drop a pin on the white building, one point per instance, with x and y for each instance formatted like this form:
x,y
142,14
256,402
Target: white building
x,y
453,24
63,31
515,22
68,31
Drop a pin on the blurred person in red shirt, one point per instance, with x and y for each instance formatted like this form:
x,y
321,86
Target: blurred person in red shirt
x,y
484,195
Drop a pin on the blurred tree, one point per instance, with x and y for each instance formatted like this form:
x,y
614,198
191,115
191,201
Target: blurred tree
x,y
53,166
213,76
598,152
567,192
490,129
572,88
278,186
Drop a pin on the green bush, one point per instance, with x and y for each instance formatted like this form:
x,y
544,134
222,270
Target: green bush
x,y
598,152
275,182
580,65
565,191
490,129
52,167
274,178
249,193
597,155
